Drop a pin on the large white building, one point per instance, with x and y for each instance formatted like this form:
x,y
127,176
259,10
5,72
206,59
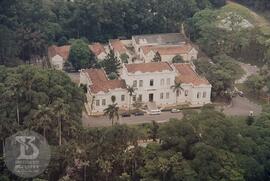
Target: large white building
x,y
167,45
152,82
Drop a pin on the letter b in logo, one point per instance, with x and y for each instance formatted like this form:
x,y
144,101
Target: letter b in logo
x,y
28,150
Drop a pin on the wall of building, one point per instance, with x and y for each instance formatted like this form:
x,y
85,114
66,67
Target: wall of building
x,y
103,99
101,56
195,95
57,62
192,55
162,82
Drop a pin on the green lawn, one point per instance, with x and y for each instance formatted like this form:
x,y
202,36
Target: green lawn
x,y
239,9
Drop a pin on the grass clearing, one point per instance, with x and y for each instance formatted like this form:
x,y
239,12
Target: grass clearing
x,y
239,9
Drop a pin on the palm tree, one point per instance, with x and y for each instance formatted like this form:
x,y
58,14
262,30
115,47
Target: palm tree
x,y
176,88
61,112
106,167
164,167
43,119
131,91
112,111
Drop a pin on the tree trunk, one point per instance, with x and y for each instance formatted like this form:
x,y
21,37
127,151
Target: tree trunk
x,y
18,113
44,131
84,173
129,104
60,132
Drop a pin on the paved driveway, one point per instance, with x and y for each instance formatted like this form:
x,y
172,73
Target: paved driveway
x,y
103,121
241,107
249,69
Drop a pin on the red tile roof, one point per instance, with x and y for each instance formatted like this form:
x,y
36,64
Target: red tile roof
x,y
118,46
97,48
62,51
168,50
100,81
148,67
188,75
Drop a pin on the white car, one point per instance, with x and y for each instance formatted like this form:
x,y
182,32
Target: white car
x,y
154,112
175,110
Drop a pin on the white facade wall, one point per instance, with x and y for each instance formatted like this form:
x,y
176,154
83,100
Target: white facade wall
x,y
192,55
95,101
103,99
57,62
101,56
189,95
144,88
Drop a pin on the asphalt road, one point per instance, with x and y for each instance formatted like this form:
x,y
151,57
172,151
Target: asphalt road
x,y
241,106
103,121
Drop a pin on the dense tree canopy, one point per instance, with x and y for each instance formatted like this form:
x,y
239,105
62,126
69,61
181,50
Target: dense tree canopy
x,y
80,56
221,73
257,4
204,145
233,30
29,26
28,93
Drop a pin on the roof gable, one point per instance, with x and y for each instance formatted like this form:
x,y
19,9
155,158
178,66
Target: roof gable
x,y
100,82
168,38
148,67
168,50
188,75
97,48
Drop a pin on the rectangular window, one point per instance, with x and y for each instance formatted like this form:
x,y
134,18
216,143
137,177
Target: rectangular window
x,y
161,95
178,93
186,93
103,102
140,98
97,103
134,98
204,94
122,98
168,81
151,82
140,83
198,95
135,83
162,82
167,95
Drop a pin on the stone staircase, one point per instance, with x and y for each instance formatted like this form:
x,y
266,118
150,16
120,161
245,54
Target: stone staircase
x,y
152,106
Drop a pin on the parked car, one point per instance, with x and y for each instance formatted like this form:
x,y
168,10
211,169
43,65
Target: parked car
x,y
126,114
154,112
241,94
175,110
139,113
